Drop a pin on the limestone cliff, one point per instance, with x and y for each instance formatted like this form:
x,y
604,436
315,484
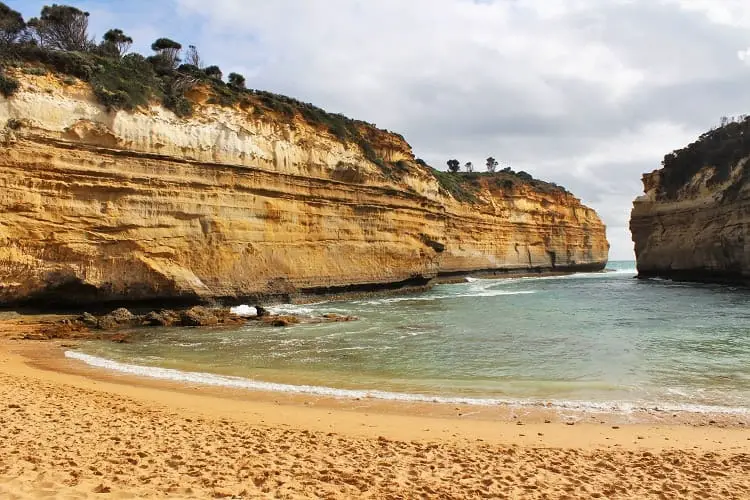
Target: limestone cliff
x,y
232,204
693,223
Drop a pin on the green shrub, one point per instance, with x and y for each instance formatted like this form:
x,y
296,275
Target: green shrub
x,y
181,106
78,64
35,71
125,83
113,99
455,185
190,69
8,85
463,186
720,148
133,80
236,80
214,72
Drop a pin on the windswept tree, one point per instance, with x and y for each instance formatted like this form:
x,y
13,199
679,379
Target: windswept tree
x,y
167,52
116,43
454,166
193,58
12,25
236,80
62,27
491,164
214,72
469,166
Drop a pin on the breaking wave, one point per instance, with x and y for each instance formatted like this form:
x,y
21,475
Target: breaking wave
x,y
210,379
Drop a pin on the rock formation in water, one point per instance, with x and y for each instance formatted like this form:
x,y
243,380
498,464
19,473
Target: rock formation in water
x,y
248,200
693,223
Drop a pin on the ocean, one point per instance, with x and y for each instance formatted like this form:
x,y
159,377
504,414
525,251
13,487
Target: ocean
x,y
589,340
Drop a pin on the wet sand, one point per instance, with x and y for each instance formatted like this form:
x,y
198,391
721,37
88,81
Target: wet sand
x,y
70,431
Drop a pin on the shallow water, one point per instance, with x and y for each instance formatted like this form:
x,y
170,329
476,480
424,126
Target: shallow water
x,y
597,340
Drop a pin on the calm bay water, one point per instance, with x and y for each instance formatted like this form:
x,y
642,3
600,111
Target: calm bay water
x,y
590,340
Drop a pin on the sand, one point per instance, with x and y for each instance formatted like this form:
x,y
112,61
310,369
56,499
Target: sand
x,y
68,431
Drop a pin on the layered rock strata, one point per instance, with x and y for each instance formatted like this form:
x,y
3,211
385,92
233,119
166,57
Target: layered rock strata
x,y
101,206
699,233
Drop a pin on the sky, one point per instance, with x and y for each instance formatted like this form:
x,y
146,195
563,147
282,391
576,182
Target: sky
x,y
589,94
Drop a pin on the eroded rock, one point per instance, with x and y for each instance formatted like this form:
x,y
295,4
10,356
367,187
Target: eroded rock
x,y
162,318
279,321
199,316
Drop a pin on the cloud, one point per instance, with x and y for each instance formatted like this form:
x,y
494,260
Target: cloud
x,y
586,93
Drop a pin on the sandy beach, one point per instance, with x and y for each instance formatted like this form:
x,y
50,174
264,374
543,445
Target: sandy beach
x,y
70,431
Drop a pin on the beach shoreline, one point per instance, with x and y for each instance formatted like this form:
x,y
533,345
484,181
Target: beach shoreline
x,y
469,440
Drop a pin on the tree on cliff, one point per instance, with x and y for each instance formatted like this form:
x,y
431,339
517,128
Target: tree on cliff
x,y
454,166
192,57
469,166
116,43
61,27
491,164
12,25
167,55
236,81
214,72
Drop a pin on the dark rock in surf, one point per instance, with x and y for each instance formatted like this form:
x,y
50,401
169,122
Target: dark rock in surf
x,y
162,318
199,316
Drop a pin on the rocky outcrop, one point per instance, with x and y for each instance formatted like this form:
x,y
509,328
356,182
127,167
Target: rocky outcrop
x,y
694,226
101,206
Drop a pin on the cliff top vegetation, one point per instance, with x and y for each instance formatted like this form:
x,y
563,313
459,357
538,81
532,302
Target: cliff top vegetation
x,y
58,41
464,186
721,148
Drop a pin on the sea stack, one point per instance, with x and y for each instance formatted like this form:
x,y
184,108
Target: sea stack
x,y
693,223
248,196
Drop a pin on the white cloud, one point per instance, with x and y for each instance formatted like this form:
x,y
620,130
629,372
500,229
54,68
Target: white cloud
x,y
735,13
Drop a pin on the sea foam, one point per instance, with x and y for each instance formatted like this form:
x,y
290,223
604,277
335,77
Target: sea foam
x,y
211,379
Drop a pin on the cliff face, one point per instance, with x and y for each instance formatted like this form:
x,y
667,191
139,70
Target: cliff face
x,y
116,206
701,231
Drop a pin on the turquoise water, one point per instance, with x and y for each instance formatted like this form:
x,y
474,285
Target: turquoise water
x,y
592,339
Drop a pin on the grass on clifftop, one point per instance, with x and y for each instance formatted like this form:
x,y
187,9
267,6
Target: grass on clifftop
x,y
464,186
720,148
58,41
133,81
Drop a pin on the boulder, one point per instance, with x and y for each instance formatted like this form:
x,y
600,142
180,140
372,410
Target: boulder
x,y
89,320
122,315
162,318
107,322
198,316
281,320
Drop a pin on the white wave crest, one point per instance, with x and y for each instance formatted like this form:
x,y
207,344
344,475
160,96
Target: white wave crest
x,y
211,379
312,309
430,298
244,311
